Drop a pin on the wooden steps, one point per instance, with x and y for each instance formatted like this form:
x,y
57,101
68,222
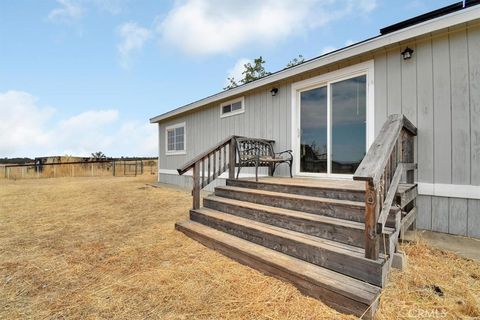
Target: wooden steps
x,y
341,292
343,258
309,232
344,209
340,230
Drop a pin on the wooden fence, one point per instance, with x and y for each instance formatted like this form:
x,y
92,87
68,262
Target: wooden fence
x,y
117,167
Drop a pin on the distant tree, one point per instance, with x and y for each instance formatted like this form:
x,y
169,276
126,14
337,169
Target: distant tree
x,y
15,160
251,73
295,61
98,155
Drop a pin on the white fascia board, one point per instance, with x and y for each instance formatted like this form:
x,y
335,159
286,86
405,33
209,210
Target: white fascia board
x,y
462,16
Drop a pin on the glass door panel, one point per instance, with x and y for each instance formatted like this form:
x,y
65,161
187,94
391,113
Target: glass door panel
x,y
313,130
348,105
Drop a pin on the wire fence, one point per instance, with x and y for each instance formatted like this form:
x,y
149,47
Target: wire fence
x,y
116,168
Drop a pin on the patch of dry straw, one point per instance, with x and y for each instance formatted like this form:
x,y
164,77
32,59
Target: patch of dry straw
x,y
106,248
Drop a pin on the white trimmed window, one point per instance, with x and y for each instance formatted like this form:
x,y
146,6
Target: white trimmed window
x,y
232,107
175,139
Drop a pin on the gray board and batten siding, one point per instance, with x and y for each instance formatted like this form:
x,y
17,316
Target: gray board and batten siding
x,y
438,89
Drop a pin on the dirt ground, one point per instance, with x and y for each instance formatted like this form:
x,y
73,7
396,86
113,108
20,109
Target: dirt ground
x,y
106,248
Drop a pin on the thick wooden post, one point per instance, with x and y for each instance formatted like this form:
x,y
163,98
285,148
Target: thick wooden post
x,y
196,185
409,157
231,159
372,243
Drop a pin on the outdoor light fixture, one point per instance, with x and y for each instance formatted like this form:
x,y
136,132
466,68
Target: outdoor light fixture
x,y
407,53
274,92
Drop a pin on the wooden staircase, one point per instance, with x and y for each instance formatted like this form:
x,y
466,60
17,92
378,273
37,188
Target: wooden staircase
x,y
313,233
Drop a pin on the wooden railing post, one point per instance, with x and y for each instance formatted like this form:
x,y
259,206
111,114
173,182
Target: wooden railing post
x,y
408,154
196,186
372,243
231,159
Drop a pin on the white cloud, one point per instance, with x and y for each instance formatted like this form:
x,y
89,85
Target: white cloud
x,y
218,26
237,70
68,12
26,129
22,122
133,38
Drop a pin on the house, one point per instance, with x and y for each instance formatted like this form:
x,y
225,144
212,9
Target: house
x,y
404,105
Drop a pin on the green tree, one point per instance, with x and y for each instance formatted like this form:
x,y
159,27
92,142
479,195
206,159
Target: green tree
x,y
251,73
295,61
98,155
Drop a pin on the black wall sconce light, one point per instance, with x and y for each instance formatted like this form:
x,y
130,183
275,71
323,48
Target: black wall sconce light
x,y
407,53
274,92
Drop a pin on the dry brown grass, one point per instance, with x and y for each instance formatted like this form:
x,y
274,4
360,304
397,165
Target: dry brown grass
x,y
106,248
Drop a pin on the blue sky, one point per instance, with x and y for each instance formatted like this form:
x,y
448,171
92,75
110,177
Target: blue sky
x,y
79,76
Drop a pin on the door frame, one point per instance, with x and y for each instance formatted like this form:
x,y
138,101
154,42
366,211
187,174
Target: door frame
x,y
363,68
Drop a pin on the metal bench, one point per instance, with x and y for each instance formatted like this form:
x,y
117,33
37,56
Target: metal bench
x,y
259,153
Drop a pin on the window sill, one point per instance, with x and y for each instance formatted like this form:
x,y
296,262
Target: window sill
x,y
175,153
232,113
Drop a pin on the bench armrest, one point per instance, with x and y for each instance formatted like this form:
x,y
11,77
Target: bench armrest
x,y
286,151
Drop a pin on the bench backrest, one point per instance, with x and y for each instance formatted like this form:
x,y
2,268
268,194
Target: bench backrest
x,y
250,147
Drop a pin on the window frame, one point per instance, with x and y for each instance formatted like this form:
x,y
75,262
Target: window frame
x,y
232,113
173,127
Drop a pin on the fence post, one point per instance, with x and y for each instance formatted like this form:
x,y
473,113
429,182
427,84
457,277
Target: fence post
x,y
113,166
23,172
135,167
8,173
5,168
91,166
54,171
231,159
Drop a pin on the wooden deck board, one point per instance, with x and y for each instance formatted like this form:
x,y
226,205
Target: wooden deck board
x,y
342,184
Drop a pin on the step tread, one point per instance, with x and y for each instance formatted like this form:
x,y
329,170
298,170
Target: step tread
x,y
342,185
322,184
297,214
320,243
356,204
344,285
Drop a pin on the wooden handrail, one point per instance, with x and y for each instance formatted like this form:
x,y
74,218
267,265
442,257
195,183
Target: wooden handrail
x,y
214,159
190,164
373,164
390,157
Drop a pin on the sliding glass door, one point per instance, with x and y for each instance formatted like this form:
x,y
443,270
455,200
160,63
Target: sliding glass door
x,y
313,127
333,127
